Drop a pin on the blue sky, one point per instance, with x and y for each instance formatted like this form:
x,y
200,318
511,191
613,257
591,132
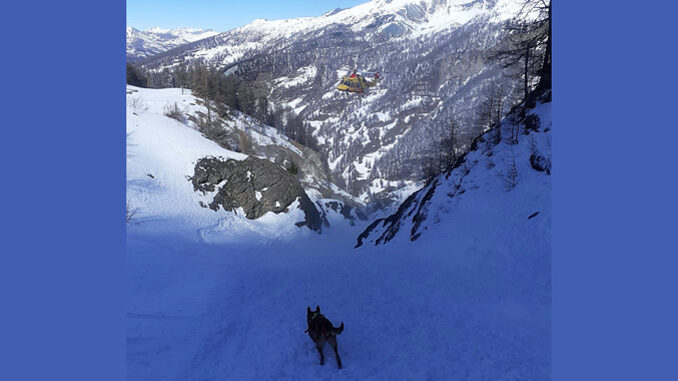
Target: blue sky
x,y
222,15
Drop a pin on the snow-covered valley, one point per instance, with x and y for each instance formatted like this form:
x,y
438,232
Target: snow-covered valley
x,y
435,66
214,295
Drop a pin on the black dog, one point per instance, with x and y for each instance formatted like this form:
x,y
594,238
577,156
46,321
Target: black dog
x,y
320,330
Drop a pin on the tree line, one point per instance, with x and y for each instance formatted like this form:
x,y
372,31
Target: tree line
x,y
225,93
527,47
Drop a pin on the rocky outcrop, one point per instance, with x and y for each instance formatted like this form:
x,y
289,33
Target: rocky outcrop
x,y
344,209
256,185
383,230
348,212
540,163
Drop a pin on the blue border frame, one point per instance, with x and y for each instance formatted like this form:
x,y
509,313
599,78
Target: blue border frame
x,y
62,272
614,191
614,304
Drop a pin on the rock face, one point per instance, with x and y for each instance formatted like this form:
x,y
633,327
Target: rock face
x,y
540,163
385,229
256,185
344,209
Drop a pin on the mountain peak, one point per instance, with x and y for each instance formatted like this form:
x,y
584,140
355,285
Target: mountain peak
x,y
333,12
157,29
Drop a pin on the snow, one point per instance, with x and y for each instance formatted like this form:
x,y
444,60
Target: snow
x,y
156,40
260,134
213,295
339,121
345,194
382,116
412,103
304,75
223,297
161,155
414,18
313,194
237,311
186,34
294,104
472,191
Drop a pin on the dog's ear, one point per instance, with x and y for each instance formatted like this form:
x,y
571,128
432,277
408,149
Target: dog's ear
x,y
317,308
308,309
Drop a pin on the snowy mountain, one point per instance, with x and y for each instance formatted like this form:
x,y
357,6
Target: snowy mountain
x,y
433,58
499,180
143,44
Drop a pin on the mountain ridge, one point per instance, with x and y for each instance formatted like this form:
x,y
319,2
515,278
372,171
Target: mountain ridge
x,y
146,43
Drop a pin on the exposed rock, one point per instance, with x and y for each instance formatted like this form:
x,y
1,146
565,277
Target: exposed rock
x,y
238,132
540,163
390,224
256,185
342,208
532,123
345,210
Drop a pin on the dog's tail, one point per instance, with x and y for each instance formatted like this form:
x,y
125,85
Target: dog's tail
x,y
339,330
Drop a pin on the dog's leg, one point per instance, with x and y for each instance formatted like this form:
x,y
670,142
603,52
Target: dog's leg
x,y
333,343
319,346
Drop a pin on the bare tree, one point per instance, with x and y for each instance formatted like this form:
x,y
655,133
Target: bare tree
x,y
136,104
499,96
491,110
483,120
443,153
510,175
448,146
430,168
514,120
130,213
173,111
528,44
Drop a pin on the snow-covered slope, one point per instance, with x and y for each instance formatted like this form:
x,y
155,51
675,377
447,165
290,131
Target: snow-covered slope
x,y
386,18
470,299
501,190
463,310
143,44
433,57
162,153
